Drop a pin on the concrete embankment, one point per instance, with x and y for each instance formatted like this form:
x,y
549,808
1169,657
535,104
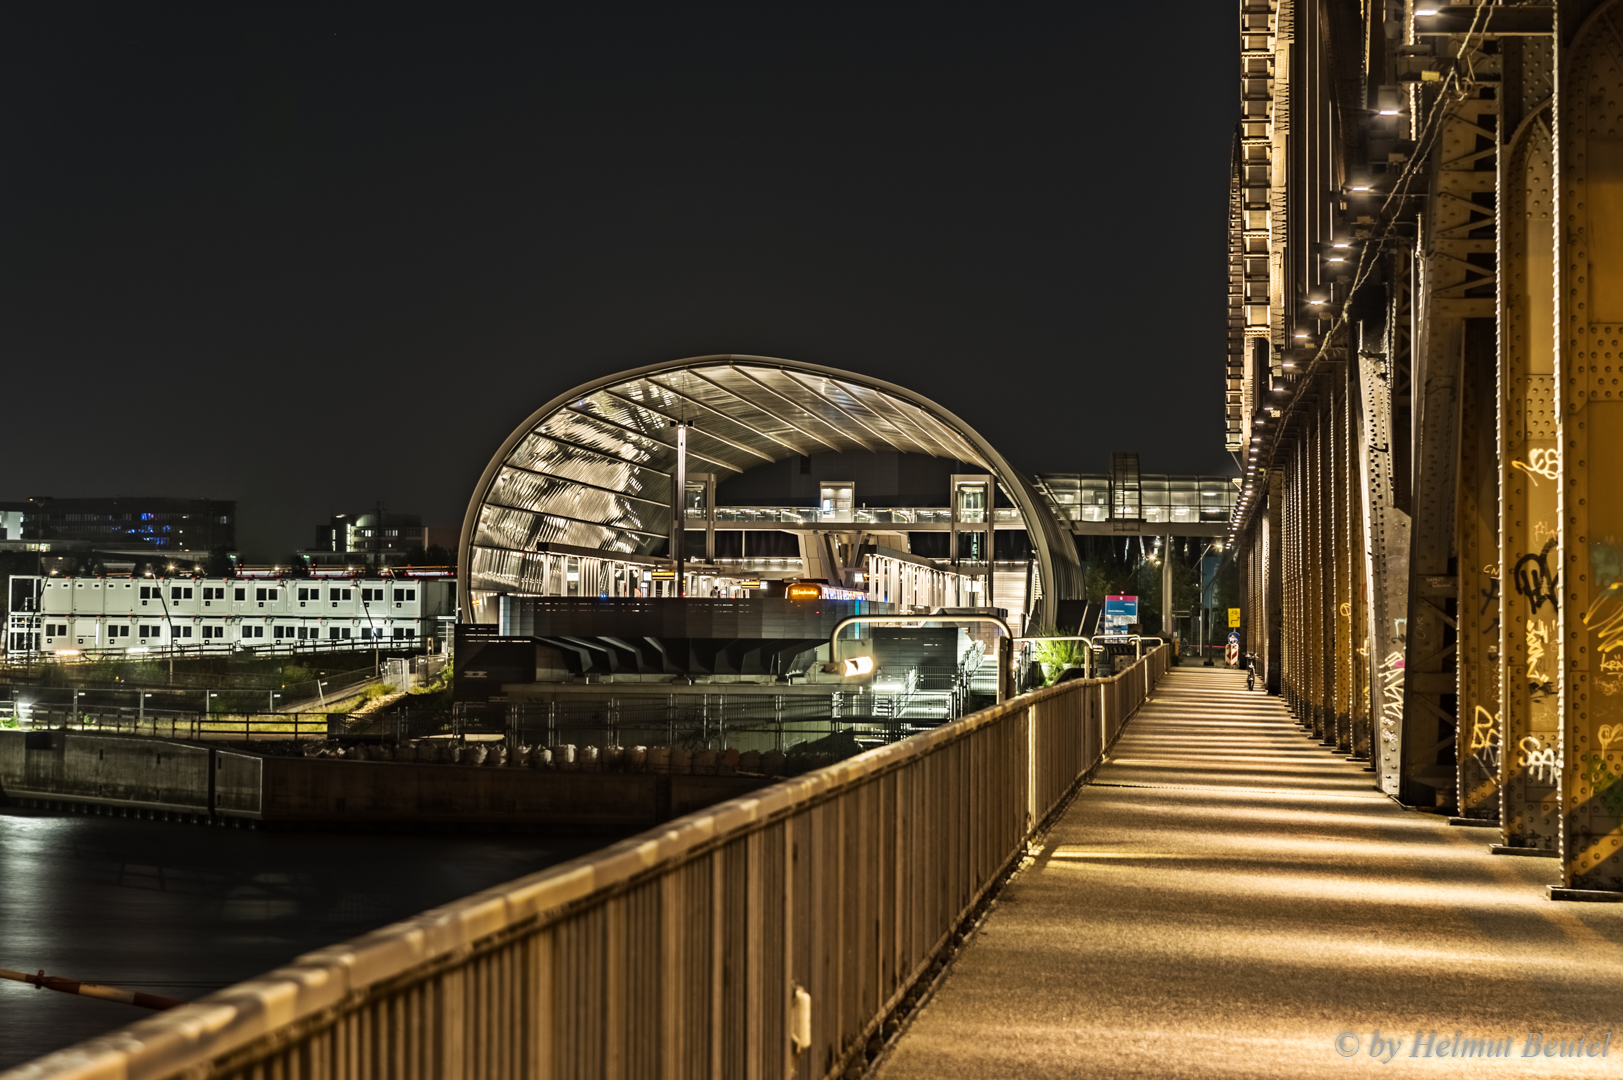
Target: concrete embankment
x,y
202,781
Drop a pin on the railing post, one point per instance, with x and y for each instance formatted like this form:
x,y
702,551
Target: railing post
x,y
1032,806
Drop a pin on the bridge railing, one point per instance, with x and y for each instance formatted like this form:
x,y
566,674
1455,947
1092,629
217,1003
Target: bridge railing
x,y
769,936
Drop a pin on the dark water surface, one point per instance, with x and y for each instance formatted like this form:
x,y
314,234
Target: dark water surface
x,y
183,910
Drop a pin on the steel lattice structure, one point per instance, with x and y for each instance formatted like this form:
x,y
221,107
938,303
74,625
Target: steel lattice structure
x,y
1425,376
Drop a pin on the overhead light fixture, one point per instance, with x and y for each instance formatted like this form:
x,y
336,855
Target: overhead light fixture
x,y
1358,187
1340,244
857,665
1425,12
1387,112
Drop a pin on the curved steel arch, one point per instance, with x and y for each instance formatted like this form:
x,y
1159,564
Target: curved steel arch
x,y
591,467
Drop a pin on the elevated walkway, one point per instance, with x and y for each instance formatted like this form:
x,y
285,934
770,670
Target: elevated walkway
x,y
1228,897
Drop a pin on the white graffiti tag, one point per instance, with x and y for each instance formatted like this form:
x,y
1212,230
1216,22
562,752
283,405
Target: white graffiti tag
x,y
1545,463
1485,739
1543,762
1538,638
1392,671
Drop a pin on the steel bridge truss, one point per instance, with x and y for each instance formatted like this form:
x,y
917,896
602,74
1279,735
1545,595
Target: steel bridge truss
x,y
1425,379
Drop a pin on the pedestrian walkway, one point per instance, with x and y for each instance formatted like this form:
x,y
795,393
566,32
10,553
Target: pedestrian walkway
x,y
1230,899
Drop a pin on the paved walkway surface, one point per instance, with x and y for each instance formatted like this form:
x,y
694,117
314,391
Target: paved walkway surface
x,y
1230,899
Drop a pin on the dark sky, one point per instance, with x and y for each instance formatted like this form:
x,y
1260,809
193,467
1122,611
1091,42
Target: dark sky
x,y
315,257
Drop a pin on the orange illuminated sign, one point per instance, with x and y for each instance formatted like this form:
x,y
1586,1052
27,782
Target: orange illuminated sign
x,y
805,591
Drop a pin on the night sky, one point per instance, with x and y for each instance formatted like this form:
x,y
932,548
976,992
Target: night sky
x,y
311,258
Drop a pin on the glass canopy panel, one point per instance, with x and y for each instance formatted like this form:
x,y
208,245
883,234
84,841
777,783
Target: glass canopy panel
x,y
628,414
539,453
755,386
861,423
522,488
549,495
522,530
944,443
731,438
494,570
849,398
907,436
607,410
961,448
572,428
585,429
847,436
754,425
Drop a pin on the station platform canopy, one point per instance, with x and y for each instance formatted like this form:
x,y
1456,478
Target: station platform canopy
x,y
593,468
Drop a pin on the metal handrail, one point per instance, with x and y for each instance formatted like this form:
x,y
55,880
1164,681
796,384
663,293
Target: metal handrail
x,y
741,926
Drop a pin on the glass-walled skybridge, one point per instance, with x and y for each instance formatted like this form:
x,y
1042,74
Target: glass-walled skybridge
x,y
1194,505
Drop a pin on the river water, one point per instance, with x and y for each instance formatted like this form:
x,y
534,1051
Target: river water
x,y
182,910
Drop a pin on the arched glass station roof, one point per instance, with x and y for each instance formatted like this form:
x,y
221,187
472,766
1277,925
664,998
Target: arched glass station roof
x,y
593,467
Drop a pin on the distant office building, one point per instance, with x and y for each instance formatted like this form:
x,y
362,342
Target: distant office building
x,y
378,537
124,524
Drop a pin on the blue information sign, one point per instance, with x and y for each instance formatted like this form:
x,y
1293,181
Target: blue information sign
x,y
1125,607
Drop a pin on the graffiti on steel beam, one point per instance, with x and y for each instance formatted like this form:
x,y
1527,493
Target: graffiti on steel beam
x,y
1605,613
1490,599
1540,462
1486,735
1534,580
1542,762
1392,696
1539,681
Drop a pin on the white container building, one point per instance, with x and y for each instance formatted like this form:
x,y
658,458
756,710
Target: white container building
x,y
77,615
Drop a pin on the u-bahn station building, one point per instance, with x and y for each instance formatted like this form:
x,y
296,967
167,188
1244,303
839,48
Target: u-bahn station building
x,y
774,498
